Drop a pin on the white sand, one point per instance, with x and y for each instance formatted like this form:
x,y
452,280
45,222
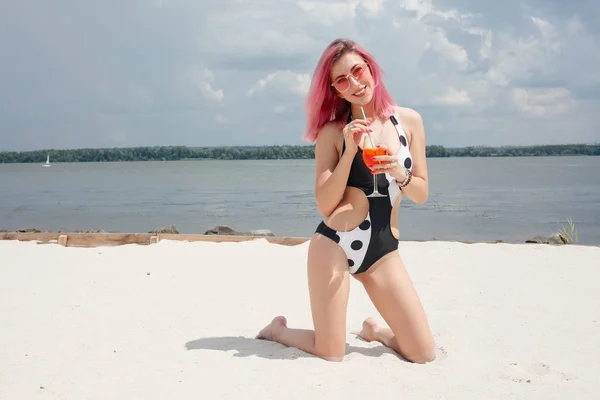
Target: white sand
x,y
176,320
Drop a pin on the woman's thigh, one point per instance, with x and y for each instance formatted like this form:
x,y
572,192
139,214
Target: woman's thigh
x,y
393,293
329,286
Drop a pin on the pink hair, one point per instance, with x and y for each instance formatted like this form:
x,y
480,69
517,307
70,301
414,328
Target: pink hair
x,y
324,105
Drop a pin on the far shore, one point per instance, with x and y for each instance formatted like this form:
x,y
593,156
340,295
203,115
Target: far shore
x,y
273,152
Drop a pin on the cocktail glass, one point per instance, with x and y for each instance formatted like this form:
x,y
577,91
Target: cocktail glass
x,y
367,154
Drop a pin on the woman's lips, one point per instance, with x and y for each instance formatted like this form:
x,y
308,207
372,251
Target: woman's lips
x,y
361,92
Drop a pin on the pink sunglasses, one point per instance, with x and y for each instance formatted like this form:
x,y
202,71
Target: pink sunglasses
x,y
342,83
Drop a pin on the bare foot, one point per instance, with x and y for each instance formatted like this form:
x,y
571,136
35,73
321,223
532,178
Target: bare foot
x,y
271,331
369,328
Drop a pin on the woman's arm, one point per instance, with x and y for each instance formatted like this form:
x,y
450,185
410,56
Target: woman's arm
x,y
331,170
418,188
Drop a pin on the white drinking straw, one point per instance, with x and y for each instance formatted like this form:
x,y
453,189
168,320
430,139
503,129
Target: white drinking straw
x,y
368,133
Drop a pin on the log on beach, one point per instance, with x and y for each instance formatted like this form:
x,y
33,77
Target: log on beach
x,y
219,233
98,237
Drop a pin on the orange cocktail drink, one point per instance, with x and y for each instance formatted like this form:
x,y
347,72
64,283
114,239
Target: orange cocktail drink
x,y
368,153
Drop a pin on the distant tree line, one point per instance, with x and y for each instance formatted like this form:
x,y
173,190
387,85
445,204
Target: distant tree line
x,y
169,153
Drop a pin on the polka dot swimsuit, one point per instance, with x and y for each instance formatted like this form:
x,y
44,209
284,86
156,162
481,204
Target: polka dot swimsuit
x,y
373,238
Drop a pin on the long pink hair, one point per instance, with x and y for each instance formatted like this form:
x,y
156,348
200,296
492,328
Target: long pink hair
x,y
324,105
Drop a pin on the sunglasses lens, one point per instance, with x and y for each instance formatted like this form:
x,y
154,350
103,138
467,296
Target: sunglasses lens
x,y
342,84
359,72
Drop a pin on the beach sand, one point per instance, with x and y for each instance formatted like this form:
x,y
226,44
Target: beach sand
x,y
177,320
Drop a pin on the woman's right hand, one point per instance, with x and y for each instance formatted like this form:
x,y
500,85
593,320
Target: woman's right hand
x,y
353,133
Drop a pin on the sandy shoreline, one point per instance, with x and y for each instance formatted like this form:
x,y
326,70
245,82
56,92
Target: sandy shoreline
x,y
177,320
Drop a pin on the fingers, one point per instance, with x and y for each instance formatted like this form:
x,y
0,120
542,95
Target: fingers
x,y
358,124
361,121
386,164
385,159
352,130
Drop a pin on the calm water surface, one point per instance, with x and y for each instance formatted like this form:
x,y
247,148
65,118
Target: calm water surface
x,y
510,199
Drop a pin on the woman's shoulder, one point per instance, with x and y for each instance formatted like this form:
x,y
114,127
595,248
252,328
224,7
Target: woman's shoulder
x,y
330,131
330,137
408,115
411,120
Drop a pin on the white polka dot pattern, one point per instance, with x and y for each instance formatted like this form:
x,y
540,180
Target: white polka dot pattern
x,y
355,243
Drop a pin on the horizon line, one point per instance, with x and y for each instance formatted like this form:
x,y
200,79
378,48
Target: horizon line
x,y
287,145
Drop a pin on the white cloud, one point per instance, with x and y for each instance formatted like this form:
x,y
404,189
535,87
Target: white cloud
x,y
516,59
550,36
283,81
245,36
453,97
424,8
544,26
202,79
373,7
330,13
210,93
424,25
543,102
450,51
495,77
421,7
485,36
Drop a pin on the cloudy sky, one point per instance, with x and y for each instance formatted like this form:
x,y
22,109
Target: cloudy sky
x,y
116,73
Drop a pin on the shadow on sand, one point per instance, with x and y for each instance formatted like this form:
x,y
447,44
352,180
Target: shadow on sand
x,y
246,347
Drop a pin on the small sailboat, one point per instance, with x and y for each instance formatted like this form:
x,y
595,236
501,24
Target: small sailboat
x,y
47,161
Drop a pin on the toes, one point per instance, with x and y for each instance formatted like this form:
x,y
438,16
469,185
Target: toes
x,y
269,331
264,333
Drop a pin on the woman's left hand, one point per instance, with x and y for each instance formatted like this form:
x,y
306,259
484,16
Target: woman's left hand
x,y
389,164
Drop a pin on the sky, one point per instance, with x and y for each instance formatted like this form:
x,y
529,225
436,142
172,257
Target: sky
x,y
122,73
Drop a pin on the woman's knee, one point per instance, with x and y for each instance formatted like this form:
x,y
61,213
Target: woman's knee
x,y
332,355
334,350
422,355
333,358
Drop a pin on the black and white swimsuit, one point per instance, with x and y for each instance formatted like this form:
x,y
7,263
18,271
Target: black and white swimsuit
x,y
372,238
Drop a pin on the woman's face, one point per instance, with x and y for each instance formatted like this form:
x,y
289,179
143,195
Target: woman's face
x,y
352,79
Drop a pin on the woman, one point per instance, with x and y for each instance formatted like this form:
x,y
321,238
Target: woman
x,y
359,235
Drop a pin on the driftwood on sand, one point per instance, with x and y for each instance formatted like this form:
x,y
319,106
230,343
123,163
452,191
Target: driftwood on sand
x,y
219,233
98,237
